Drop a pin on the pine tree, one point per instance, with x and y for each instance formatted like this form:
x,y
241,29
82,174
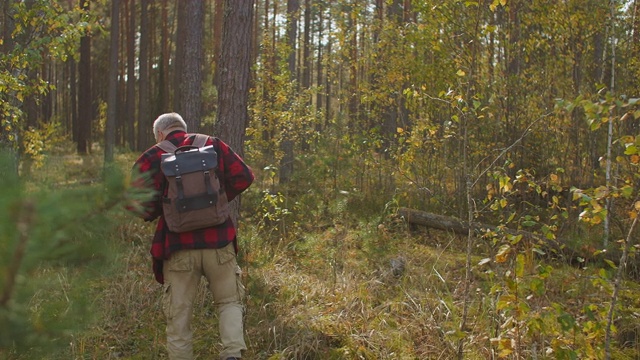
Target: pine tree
x,y
54,239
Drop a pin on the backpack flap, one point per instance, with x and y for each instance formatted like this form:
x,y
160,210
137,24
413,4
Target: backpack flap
x,y
187,159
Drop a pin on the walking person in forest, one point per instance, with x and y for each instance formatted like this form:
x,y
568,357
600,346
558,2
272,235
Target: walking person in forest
x,y
180,259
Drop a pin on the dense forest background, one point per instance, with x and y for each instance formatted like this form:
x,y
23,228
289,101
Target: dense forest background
x,y
517,120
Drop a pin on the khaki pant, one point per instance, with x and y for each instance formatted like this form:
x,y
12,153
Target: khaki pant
x,y
182,274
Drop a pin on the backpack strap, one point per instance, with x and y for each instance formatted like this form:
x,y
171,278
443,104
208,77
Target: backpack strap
x,y
167,146
200,140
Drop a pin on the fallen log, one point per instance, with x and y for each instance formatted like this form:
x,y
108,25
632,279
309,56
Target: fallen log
x,y
447,223
435,221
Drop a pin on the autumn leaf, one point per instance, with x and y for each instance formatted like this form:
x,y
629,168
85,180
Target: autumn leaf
x,y
503,254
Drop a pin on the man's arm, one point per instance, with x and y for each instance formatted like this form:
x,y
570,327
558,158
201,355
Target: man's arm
x,y
238,176
147,179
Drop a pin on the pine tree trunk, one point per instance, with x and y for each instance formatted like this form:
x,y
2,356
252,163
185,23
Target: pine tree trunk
x,y
235,75
131,76
84,92
163,99
235,70
112,101
217,38
189,56
144,116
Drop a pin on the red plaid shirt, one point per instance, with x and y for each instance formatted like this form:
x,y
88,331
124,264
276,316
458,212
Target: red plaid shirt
x,y
236,177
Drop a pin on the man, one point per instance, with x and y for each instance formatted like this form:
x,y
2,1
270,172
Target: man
x,y
180,259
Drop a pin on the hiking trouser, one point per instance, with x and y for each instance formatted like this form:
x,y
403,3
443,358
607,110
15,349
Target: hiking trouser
x,y
182,274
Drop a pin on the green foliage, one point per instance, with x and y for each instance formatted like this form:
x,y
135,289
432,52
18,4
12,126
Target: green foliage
x,y
625,155
40,142
281,111
525,283
42,31
53,241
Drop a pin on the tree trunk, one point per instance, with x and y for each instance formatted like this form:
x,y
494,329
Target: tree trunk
x,y
306,53
353,91
189,56
235,69
217,39
122,75
163,100
131,75
112,101
73,93
235,74
319,67
328,114
144,116
84,91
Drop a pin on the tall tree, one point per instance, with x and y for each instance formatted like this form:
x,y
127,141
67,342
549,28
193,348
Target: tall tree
x,y
189,60
73,94
112,101
162,100
144,115
84,91
306,47
319,63
130,117
235,71
217,37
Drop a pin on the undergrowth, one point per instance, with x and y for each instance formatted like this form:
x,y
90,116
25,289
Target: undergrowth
x,y
331,275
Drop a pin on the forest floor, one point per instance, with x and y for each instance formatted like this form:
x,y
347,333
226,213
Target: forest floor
x,y
338,285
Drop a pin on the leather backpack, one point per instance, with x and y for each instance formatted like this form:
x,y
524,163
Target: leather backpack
x,y
194,198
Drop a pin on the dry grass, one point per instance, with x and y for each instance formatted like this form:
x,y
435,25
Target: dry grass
x,y
329,295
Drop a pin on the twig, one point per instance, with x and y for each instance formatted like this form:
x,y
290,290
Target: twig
x,y
616,289
505,150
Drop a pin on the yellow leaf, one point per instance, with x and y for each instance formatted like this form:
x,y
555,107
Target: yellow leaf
x,y
461,73
400,130
503,2
637,205
503,254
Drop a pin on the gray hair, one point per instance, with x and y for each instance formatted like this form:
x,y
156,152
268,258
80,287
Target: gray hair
x,y
169,121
